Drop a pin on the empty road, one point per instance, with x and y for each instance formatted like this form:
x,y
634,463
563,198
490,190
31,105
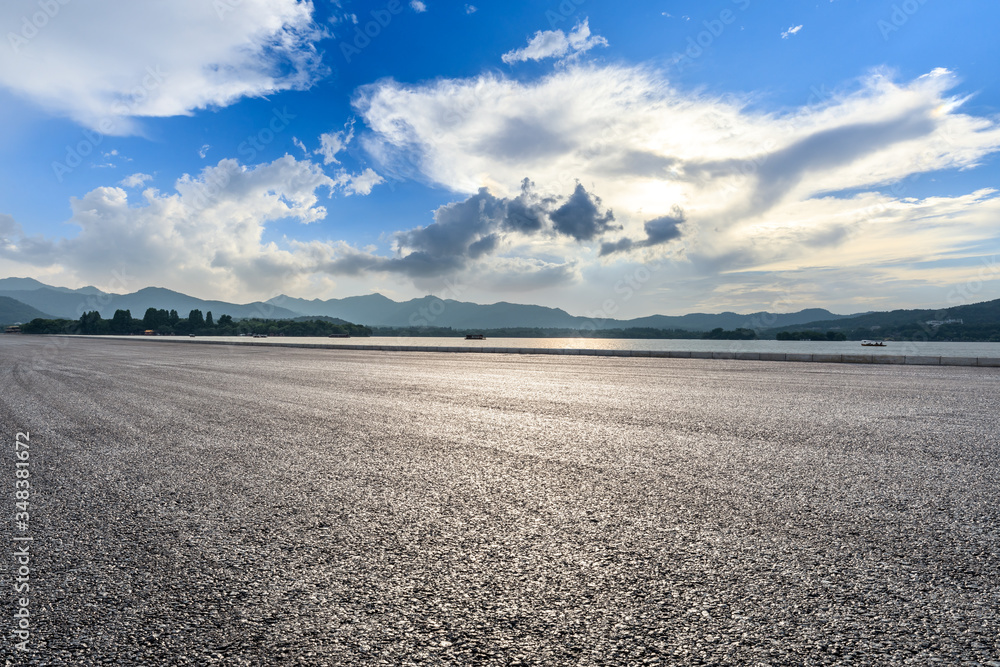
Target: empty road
x,y
205,504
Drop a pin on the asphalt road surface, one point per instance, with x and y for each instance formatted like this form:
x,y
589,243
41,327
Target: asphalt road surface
x,y
203,504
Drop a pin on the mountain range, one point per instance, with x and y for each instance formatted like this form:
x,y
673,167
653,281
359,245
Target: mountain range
x,y
377,310
71,303
371,310
22,299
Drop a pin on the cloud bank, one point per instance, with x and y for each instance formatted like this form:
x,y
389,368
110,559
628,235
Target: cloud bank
x,y
87,63
709,184
209,232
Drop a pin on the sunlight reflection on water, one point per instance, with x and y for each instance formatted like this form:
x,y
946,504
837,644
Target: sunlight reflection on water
x,y
679,345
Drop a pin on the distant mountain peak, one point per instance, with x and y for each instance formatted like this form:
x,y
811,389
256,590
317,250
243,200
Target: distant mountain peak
x,y
30,284
154,290
10,284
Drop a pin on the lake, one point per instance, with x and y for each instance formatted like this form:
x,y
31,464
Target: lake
x,y
932,348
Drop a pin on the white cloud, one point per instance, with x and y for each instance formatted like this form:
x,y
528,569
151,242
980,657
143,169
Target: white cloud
x,y
301,146
471,9
755,187
106,63
332,143
358,184
556,44
203,151
135,180
207,232
204,237
628,129
791,31
418,6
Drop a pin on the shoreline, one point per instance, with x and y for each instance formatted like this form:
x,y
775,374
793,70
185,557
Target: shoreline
x,y
878,359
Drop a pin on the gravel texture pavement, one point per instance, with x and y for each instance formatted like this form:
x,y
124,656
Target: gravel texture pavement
x,y
251,506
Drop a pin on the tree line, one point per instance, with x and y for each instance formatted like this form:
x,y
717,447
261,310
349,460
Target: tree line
x,y
920,331
914,331
170,323
540,332
810,335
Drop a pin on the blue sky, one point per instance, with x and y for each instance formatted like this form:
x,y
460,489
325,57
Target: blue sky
x,y
679,156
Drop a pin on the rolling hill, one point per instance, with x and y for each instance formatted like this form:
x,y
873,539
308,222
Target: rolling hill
x,y
986,313
378,310
70,304
13,311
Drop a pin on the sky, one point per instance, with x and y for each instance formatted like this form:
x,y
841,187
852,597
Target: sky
x,y
610,159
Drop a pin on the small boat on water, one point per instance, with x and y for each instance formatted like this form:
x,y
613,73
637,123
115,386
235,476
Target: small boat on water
x,y
260,335
475,337
873,343
339,335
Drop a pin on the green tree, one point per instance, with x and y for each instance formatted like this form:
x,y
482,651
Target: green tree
x,y
155,319
121,323
209,322
91,323
150,320
174,318
195,319
226,321
42,326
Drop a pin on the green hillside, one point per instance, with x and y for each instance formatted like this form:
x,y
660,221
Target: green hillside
x,y
13,311
971,322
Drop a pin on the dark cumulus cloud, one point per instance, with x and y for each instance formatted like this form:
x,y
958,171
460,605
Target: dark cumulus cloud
x,y
477,227
658,230
581,216
415,264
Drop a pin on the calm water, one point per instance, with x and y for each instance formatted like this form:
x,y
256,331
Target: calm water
x,y
934,349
